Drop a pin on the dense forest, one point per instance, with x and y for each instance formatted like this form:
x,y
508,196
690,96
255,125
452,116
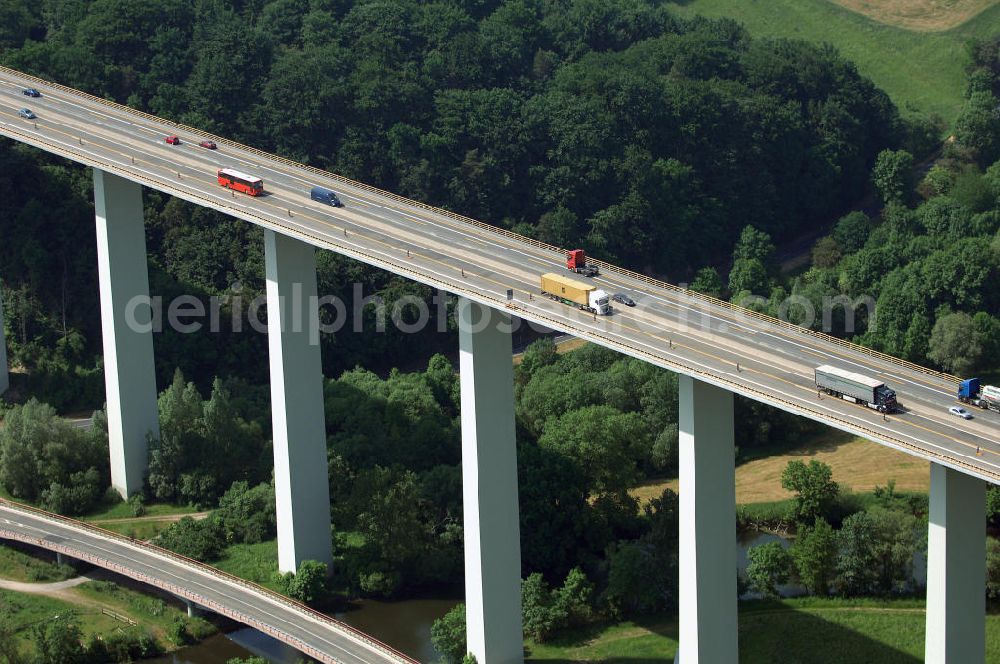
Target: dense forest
x,y
930,258
616,126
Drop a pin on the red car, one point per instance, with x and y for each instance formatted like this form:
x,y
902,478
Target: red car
x,y
210,145
172,140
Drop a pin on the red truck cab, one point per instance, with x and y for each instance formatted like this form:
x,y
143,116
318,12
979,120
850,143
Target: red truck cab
x,y
576,261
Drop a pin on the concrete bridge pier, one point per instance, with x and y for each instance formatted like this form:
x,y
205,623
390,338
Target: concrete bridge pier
x,y
301,484
707,501
4,375
126,323
956,569
193,610
489,486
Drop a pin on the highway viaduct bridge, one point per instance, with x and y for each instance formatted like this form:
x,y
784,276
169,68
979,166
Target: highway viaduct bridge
x,y
717,349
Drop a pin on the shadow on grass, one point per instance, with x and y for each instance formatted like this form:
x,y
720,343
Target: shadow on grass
x,y
776,633
768,633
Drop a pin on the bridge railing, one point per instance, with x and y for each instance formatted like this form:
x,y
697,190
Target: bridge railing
x,y
502,232
322,618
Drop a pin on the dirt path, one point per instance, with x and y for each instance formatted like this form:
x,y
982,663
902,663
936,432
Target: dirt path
x,y
55,587
169,518
920,15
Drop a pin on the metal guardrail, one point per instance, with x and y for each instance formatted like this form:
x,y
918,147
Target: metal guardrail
x,y
387,650
510,235
497,303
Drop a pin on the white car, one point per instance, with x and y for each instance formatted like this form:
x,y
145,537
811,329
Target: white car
x,y
961,412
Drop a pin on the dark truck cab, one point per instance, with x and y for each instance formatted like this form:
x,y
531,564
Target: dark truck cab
x,y
324,195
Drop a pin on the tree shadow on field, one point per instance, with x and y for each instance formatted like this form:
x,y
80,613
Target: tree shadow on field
x,y
829,441
768,633
793,636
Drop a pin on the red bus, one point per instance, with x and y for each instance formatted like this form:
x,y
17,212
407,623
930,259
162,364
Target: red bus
x,y
248,184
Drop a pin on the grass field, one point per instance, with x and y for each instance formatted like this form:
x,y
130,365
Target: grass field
x,y
87,601
788,632
254,562
921,71
149,611
16,565
858,465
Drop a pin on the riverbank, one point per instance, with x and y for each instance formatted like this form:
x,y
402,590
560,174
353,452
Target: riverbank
x,y
865,630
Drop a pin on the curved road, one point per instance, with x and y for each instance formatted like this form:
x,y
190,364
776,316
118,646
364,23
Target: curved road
x,y
762,358
313,633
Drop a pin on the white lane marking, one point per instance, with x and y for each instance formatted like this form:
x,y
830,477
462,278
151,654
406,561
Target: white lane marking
x,y
462,233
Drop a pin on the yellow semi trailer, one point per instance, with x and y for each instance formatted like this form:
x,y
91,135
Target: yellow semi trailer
x,y
575,293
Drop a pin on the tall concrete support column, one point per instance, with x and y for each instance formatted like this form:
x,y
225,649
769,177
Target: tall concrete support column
x,y
489,486
956,569
707,500
4,375
300,462
129,373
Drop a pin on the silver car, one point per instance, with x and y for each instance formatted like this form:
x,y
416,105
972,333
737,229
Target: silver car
x,y
27,114
961,412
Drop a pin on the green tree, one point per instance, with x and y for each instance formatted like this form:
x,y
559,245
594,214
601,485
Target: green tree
x,y
58,640
815,490
876,551
707,281
852,230
987,329
448,635
43,457
604,443
856,564
575,596
767,567
978,126
992,568
748,276
754,244
954,344
826,252
893,176
636,581
307,584
10,647
248,515
814,553
540,613
202,540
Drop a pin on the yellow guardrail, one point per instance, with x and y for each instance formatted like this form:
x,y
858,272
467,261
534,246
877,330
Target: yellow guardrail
x,y
462,288
777,322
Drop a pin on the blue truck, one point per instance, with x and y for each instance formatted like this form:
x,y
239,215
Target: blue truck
x,y
972,392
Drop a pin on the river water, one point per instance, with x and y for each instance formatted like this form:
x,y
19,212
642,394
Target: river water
x,y
405,625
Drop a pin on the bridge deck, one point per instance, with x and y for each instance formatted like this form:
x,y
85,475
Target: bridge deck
x,y
750,354
309,631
